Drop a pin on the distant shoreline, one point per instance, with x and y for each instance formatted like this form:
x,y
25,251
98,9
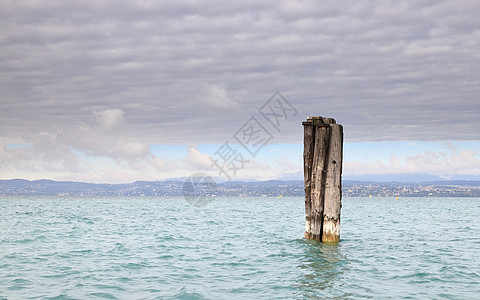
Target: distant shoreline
x,y
272,188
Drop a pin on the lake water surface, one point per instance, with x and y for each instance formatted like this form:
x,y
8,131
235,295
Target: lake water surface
x,y
236,248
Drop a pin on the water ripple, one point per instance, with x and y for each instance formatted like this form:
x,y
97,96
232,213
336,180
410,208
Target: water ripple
x,y
245,248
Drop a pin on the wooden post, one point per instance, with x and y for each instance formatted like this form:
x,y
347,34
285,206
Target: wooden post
x,y
318,180
322,157
333,186
307,172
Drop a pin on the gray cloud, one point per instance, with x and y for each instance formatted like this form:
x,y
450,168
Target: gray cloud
x,y
386,70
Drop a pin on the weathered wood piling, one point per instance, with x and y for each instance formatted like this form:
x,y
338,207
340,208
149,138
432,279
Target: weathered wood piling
x,y
322,166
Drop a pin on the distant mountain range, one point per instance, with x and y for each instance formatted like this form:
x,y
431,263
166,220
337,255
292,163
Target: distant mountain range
x,y
174,187
391,186
408,177
395,177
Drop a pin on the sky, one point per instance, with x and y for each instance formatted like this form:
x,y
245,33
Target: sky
x,y
119,91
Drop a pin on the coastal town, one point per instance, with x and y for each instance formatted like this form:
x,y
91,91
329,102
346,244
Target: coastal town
x,y
240,189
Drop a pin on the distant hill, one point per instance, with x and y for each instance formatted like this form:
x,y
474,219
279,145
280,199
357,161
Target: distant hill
x,y
409,177
147,188
413,177
465,177
271,188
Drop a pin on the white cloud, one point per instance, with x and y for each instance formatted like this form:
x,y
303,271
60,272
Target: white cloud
x,y
106,137
67,152
109,118
216,97
197,160
430,162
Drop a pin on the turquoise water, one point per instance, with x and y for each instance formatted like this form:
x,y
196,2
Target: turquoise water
x,y
236,248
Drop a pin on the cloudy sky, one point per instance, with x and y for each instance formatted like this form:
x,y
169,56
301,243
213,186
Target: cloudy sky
x,y
118,91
